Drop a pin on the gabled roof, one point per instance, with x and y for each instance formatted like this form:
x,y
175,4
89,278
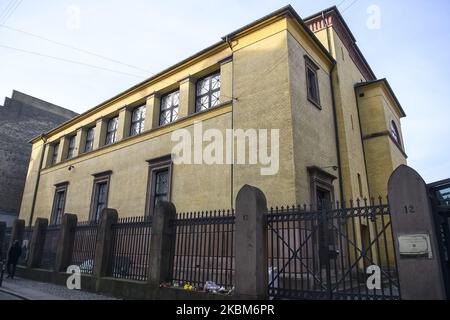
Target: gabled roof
x,y
224,41
389,89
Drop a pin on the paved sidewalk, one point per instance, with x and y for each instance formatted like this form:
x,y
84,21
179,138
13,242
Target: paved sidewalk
x,y
33,290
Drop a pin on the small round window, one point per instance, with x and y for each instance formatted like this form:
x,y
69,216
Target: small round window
x,y
395,133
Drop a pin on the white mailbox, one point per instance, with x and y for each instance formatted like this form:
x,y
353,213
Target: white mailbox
x,y
415,245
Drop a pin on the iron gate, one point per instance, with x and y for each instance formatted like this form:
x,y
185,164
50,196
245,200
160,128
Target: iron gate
x,y
440,196
332,254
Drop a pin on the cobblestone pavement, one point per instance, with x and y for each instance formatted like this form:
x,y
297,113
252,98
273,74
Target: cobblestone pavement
x,y
34,290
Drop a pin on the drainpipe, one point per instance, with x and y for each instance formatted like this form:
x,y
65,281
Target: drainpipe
x,y
338,148
36,187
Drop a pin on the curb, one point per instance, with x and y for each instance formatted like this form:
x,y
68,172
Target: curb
x,y
14,294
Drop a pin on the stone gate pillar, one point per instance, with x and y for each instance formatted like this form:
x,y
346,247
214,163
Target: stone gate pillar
x,y
250,245
415,241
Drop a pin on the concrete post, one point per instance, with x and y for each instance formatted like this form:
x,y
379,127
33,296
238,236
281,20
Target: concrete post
x,y
187,97
47,160
226,79
37,243
17,231
66,242
2,238
152,112
80,141
162,244
100,133
63,148
123,130
102,261
250,245
414,233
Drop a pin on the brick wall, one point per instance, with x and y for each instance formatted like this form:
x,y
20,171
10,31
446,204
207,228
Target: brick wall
x,y
22,118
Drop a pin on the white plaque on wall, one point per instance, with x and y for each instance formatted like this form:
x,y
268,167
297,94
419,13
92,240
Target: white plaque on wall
x,y
415,246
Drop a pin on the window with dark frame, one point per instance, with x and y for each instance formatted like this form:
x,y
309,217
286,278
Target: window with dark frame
x,y
55,153
99,195
160,179
312,82
161,186
71,147
137,121
208,92
90,134
169,108
59,202
395,133
111,130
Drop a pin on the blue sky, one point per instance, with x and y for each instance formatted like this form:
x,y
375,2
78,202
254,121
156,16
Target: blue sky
x,y
410,49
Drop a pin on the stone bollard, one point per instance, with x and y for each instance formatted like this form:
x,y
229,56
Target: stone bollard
x,y
250,245
162,244
37,243
65,243
102,261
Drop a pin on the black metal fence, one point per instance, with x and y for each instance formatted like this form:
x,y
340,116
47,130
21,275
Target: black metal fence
x,y
50,247
131,248
325,254
204,248
85,240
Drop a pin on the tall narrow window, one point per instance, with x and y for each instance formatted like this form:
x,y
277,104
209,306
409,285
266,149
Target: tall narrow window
x,y
169,108
312,82
55,153
395,133
71,147
208,92
160,179
89,146
111,132
59,202
137,121
161,186
99,195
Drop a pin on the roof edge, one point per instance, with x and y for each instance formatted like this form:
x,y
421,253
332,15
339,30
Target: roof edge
x,y
334,9
389,88
224,39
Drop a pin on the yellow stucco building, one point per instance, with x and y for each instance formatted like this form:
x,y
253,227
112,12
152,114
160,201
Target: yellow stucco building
x,y
339,127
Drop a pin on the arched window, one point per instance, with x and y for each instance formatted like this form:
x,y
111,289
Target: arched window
x,y
395,133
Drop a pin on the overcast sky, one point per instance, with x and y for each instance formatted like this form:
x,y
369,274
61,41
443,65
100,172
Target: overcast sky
x,y
410,48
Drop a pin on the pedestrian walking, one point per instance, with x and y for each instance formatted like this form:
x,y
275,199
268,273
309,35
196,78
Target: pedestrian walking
x,y
13,257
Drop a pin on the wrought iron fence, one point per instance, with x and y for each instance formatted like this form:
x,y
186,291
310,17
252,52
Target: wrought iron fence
x,y
26,241
204,248
85,240
325,254
131,248
50,247
6,243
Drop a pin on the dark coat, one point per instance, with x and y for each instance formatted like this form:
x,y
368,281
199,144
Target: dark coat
x,y
14,254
